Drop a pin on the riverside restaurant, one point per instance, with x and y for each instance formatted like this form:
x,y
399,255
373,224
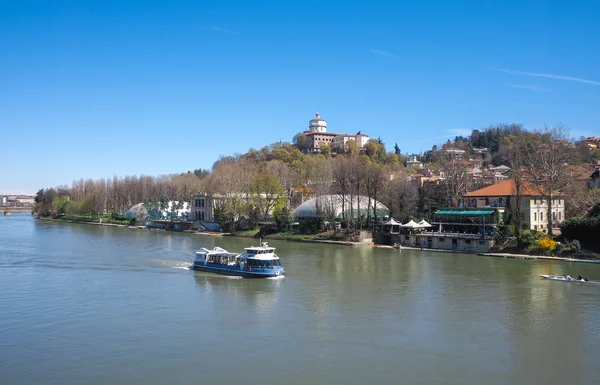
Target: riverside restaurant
x,y
460,229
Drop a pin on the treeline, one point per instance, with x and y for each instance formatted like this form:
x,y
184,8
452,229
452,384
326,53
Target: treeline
x,y
248,183
91,197
259,182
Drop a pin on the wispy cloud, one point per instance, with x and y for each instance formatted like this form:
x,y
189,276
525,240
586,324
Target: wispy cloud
x,y
530,88
461,131
381,52
224,30
551,76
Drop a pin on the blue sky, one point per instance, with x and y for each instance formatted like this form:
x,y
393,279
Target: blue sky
x,y
102,88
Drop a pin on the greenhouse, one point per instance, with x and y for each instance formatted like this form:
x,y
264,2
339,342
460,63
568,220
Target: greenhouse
x,y
312,207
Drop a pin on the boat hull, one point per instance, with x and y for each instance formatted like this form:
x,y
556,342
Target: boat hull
x,y
560,278
256,273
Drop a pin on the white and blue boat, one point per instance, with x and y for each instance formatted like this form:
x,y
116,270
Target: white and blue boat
x,y
255,262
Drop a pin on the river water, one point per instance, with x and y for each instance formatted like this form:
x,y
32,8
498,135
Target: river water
x,y
101,305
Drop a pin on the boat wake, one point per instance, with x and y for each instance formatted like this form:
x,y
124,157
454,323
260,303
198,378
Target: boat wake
x,y
184,267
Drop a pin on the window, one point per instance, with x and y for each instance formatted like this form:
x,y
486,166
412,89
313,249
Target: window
x,y
560,216
535,216
541,216
482,242
201,203
442,239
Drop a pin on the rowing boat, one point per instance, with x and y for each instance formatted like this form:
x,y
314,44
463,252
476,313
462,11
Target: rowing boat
x,y
561,278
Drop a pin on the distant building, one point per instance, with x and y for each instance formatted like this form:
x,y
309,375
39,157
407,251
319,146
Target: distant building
x,y
414,162
454,151
318,135
317,124
592,142
534,208
201,208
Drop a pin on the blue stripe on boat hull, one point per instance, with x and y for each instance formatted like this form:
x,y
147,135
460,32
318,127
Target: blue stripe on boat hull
x,y
238,272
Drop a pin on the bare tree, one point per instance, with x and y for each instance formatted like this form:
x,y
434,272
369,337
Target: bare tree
x,y
546,156
342,181
401,197
453,167
374,184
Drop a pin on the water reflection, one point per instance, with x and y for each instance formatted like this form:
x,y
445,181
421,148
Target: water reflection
x,y
260,293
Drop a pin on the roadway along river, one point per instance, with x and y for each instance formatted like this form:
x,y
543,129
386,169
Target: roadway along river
x,y
98,305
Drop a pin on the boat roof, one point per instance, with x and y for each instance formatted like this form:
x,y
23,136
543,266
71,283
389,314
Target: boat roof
x,y
215,251
263,246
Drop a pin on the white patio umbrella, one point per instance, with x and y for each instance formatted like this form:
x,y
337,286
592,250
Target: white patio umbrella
x,y
424,223
411,225
392,222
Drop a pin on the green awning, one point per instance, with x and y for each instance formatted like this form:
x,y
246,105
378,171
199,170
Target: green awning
x,y
464,212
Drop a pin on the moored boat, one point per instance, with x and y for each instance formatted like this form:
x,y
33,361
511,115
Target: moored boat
x,y
562,278
255,262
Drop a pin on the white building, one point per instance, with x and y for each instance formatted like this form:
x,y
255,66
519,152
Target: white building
x,y
201,208
339,142
413,162
361,140
317,133
317,124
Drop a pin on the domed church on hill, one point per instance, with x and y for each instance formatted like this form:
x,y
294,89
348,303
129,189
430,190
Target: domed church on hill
x,y
317,135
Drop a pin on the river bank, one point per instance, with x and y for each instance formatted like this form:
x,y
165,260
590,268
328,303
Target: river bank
x,y
309,239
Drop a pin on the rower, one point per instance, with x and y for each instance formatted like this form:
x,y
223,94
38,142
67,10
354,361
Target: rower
x,y
568,278
579,277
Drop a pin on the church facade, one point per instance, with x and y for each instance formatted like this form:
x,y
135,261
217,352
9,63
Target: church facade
x,y
318,136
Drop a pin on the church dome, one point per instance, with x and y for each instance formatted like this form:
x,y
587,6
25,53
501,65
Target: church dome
x,y
317,124
317,117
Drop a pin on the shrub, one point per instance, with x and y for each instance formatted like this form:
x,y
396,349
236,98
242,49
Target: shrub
x,y
283,218
310,226
528,238
575,245
560,248
267,229
585,229
547,243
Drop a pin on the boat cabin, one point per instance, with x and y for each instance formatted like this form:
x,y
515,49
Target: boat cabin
x,y
217,256
260,252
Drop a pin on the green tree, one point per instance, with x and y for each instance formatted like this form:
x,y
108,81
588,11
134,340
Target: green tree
x,y
352,148
59,204
283,217
267,190
374,149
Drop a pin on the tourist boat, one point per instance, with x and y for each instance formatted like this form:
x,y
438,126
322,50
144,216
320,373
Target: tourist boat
x,y
255,262
562,278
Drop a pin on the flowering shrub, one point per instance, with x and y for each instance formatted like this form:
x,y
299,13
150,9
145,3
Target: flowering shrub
x,y
547,243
